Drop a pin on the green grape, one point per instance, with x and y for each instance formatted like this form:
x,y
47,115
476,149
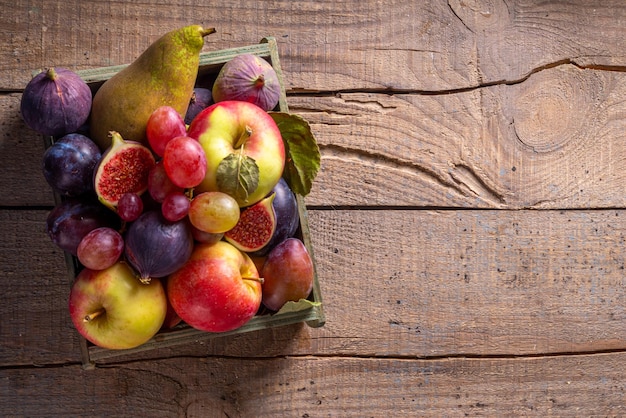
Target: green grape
x,y
214,212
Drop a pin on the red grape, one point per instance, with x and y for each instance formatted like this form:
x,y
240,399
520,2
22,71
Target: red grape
x,y
159,184
164,124
205,237
185,162
100,248
175,206
129,207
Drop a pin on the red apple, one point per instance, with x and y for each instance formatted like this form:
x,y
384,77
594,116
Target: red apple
x,y
244,150
287,274
217,290
113,309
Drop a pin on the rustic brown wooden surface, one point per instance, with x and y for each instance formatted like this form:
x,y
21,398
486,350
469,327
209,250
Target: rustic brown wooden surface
x,y
469,220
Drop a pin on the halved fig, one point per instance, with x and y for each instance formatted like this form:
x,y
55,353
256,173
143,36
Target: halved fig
x,y
124,168
287,216
255,227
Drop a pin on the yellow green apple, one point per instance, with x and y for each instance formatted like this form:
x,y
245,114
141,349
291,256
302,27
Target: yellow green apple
x,y
113,309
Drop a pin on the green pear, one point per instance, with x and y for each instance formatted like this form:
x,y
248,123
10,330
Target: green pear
x,y
163,75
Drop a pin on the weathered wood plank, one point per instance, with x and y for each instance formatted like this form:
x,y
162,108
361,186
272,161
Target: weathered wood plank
x,y
590,385
21,151
34,325
556,140
329,45
514,39
394,283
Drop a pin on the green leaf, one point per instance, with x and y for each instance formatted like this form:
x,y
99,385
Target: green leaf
x,y
302,154
238,176
301,305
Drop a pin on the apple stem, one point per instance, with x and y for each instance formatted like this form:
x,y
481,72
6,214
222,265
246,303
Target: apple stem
x,y
255,279
243,138
90,317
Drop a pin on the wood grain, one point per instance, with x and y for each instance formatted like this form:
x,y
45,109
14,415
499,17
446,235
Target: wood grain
x,y
395,283
555,140
590,385
35,327
329,45
515,39
21,152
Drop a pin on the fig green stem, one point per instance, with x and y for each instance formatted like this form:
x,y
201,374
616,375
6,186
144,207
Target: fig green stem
x,y
51,73
90,317
145,279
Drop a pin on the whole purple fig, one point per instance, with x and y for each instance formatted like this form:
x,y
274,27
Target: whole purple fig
x,y
248,78
56,102
156,247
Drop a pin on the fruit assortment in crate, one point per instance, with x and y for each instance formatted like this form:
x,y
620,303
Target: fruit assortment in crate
x,y
179,181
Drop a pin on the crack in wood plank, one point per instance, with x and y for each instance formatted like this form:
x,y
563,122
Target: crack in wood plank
x,y
465,175
455,14
503,82
461,177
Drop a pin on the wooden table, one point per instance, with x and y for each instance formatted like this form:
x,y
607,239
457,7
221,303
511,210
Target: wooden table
x,y
469,219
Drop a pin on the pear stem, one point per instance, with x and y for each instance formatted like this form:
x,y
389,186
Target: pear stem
x,y
255,279
207,31
90,317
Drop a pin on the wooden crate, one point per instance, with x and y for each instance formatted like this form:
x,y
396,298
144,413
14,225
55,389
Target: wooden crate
x,y
210,64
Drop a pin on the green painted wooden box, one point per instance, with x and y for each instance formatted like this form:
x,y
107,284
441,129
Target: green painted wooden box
x,y
210,64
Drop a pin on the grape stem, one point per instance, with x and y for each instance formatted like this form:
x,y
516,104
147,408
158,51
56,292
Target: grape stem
x,y
90,317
